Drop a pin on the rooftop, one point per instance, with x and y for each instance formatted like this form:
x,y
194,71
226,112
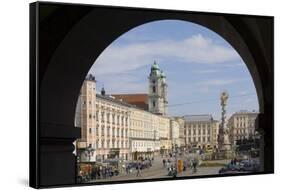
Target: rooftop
x,y
241,112
112,99
195,118
139,100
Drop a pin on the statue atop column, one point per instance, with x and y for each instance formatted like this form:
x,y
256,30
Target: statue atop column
x,y
223,138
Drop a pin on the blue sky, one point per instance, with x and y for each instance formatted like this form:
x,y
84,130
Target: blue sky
x,y
199,65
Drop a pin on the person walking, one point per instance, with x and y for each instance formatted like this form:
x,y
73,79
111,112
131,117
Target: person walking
x,y
127,169
191,166
138,170
164,163
194,166
235,161
184,165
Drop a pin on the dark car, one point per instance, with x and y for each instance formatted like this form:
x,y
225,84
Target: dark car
x,y
230,168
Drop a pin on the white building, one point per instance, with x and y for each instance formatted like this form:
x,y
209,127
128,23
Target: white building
x,y
112,128
175,132
201,130
144,135
104,124
242,125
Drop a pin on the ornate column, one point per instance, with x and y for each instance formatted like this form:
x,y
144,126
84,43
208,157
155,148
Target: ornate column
x,y
223,138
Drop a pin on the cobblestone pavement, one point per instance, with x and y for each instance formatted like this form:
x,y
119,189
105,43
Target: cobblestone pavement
x,y
158,171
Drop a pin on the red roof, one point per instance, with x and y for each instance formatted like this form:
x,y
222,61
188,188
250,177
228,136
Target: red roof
x,y
139,100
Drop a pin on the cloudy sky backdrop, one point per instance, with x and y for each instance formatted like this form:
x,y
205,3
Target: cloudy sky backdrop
x,y
199,65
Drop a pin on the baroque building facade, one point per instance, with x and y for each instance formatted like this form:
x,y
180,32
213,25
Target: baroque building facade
x,y
157,93
182,131
130,126
175,132
242,125
113,128
104,124
201,131
149,133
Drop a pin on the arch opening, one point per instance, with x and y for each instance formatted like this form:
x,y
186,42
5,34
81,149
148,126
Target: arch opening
x,y
75,53
210,59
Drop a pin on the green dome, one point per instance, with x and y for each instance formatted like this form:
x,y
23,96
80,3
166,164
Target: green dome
x,y
162,75
154,66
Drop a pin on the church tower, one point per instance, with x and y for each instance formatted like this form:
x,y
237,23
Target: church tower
x,y
157,92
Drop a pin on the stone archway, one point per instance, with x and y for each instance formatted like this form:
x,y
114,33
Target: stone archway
x,y
66,56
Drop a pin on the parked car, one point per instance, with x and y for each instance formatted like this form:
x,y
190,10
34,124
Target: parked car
x,y
230,168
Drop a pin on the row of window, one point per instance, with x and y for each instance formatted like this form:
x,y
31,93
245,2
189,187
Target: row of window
x,y
112,144
198,132
118,131
144,144
140,123
115,119
143,134
198,125
201,140
243,124
244,131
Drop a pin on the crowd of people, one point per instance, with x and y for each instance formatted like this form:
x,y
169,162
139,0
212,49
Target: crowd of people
x,y
170,163
98,172
103,172
142,163
135,168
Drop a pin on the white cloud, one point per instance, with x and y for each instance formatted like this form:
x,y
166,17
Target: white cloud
x,y
195,49
205,86
218,82
207,71
125,83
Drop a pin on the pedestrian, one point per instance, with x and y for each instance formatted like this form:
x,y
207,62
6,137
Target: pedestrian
x,y
235,161
138,170
168,165
104,172
170,173
191,166
164,162
99,172
127,169
175,172
194,166
107,172
110,172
